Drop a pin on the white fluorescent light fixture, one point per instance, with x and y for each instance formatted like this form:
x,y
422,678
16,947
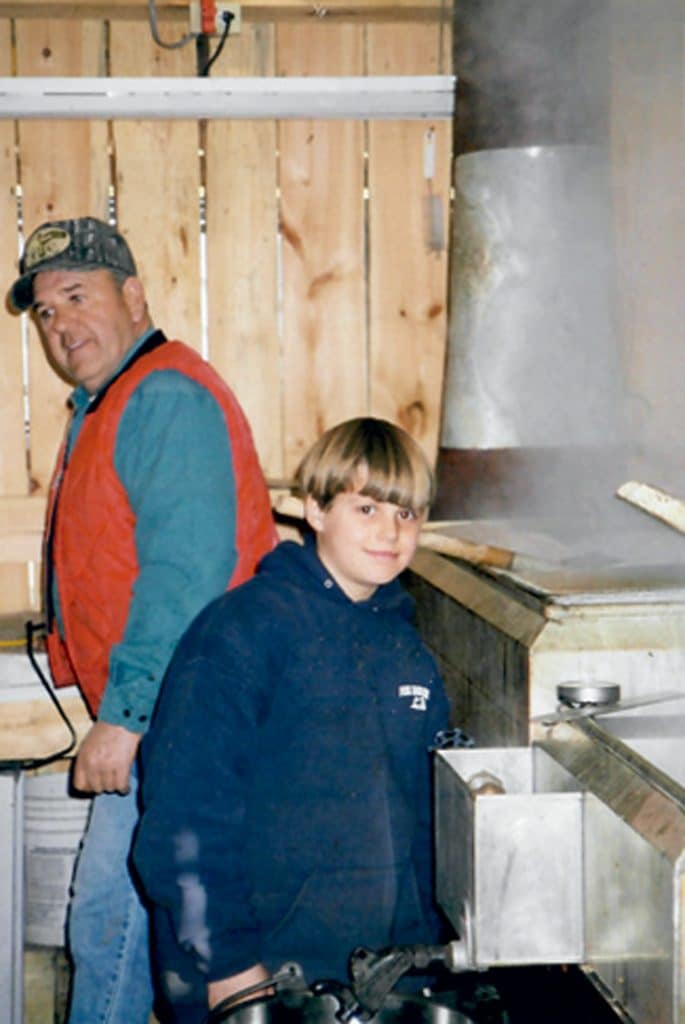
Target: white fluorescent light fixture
x,y
408,97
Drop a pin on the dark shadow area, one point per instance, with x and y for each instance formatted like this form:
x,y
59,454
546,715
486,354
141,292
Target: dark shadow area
x,y
527,995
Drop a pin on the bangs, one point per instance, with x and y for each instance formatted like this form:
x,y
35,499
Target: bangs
x,y
405,485
369,456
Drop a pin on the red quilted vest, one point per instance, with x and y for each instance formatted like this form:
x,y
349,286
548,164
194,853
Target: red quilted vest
x,y
91,524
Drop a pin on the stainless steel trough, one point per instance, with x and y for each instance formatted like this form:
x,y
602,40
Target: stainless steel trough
x,y
572,850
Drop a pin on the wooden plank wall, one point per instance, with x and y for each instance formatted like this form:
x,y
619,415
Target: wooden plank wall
x,y
320,292
13,475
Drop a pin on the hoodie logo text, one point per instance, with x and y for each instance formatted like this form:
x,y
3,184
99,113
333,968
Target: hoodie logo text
x,y
419,695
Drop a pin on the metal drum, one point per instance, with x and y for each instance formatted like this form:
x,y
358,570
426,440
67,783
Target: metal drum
x,y
308,1007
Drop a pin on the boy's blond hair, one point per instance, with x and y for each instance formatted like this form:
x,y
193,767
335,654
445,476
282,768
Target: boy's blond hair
x,y
369,456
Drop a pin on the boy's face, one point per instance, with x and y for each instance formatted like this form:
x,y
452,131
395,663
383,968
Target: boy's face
x,y
363,542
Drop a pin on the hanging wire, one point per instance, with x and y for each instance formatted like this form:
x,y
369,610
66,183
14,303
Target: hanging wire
x,y
227,17
152,15
27,763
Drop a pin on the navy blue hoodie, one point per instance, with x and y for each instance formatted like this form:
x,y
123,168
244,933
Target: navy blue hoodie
x,y
287,775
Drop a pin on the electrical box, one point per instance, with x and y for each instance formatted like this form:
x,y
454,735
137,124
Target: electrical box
x,y
208,17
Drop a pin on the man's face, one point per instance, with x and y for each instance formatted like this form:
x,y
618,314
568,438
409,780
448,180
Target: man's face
x,y
87,321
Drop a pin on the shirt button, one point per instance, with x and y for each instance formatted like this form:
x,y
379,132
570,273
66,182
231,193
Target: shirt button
x,y
328,584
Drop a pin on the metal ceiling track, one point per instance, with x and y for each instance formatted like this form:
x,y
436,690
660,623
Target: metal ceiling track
x,y
409,97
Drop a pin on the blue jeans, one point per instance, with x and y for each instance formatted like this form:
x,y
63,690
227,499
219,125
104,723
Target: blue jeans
x,y
107,928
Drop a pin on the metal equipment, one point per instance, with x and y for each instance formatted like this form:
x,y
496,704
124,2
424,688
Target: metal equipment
x,y
368,997
578,855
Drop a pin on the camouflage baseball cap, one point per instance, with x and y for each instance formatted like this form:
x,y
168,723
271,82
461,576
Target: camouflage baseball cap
x,y
85,243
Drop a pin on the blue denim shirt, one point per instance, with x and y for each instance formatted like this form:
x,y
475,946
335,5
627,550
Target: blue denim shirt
x,y
173,458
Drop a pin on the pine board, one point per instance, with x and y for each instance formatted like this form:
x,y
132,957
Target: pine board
x,y
325,367
175,12
157,186
242,252
64,173
32,728
13,478
14,588
408,281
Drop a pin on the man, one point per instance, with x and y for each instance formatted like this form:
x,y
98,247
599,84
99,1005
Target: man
x,y
157,504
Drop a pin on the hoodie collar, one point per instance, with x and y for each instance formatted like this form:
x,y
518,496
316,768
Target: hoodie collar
x,y
301,563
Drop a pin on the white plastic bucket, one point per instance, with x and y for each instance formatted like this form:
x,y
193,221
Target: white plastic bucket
x,y
54,823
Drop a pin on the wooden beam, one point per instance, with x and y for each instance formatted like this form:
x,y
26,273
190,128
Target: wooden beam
x,y
32,728
19,512
253,10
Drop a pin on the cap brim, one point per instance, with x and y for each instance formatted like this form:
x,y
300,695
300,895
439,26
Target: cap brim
x,y
21,293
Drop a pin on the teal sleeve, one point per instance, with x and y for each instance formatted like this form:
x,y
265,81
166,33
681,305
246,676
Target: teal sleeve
x,y
173,458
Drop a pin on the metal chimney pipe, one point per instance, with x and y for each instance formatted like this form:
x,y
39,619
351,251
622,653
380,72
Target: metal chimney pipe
x,y
532,367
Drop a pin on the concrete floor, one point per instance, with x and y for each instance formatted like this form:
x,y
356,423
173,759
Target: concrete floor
x,y
46,980
46,985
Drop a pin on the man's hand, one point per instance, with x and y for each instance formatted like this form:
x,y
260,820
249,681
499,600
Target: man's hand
x,y
103,763
218,990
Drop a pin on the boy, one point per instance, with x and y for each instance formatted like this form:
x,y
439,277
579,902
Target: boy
x,y
287,804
